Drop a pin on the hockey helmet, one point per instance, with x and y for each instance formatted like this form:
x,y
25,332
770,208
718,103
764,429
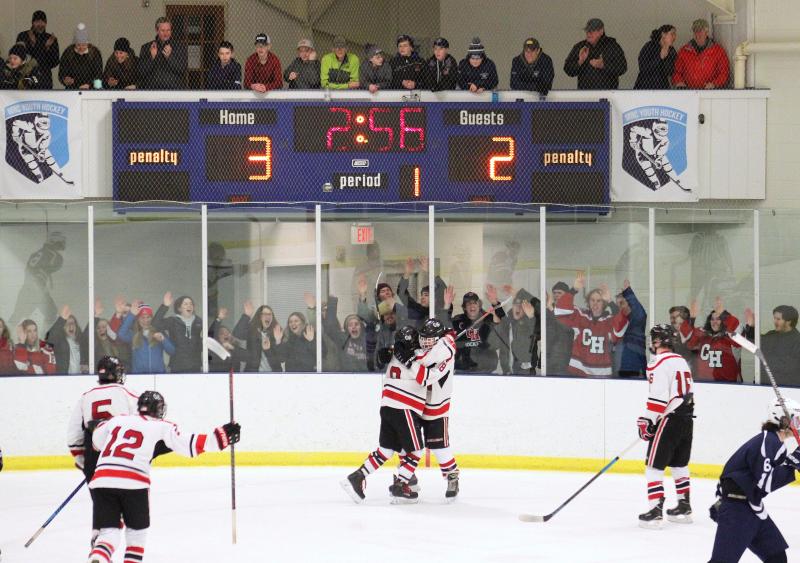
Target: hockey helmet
x,y
432,330
776,414
42,122
665,334
406,336
152,404
110,370
660,128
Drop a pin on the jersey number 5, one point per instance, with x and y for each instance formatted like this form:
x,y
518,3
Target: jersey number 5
x,y
684,379
98,412
134,441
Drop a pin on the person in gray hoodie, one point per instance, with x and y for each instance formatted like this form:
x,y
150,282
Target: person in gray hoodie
x,y
304,71
374,73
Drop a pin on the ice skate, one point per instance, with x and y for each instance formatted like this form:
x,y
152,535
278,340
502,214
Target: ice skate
x,y
413,484
682,513
452,486
355,485
654,518
401,493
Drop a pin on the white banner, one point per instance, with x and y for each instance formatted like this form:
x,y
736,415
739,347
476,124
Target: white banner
x,y
655,146
42,145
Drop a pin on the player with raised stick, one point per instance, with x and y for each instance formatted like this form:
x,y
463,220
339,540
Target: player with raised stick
x,y
760,466
668,426
107,400
403,401
121,481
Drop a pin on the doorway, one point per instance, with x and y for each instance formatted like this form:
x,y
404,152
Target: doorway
x,y
201,29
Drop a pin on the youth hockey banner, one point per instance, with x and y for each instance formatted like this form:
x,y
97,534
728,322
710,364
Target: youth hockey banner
x,y
655,146
41,146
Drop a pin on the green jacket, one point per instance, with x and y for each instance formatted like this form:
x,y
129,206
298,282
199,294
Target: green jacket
x,y
336,75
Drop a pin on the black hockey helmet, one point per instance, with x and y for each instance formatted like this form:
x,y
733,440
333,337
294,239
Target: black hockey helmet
x,y
152,404
406,336
431,331
665,334
110,370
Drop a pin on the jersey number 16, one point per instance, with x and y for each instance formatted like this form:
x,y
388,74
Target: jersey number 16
x,y
684,379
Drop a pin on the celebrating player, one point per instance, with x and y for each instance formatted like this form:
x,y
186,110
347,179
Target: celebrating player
x,y
667,425
109,399
761,465
121,480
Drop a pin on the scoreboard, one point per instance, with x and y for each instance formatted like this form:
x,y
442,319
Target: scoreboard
x,y
335,152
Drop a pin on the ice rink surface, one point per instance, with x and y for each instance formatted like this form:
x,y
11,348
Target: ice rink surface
x,y
301,514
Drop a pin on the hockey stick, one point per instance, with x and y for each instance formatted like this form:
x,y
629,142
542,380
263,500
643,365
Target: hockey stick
x,y
54,514
483,316
547,517
220,351
753,349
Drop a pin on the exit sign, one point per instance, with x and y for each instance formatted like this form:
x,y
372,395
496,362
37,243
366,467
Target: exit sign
x,y
362,234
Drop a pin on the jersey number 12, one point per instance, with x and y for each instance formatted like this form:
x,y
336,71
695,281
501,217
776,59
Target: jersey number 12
x,y
134,442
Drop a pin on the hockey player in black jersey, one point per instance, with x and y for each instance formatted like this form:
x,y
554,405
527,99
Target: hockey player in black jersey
x,y
760,466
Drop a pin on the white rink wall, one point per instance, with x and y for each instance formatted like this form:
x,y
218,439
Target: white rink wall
x,y
491,415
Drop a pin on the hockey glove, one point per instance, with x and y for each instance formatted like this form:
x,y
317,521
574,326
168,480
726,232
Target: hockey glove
x,y
713,510
404,355
384,356
227,434
647,429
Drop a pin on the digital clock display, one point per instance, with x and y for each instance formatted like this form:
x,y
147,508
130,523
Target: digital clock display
x,y
359,129
357,153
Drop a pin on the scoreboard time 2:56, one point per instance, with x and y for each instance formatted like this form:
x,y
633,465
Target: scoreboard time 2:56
x,y
281,151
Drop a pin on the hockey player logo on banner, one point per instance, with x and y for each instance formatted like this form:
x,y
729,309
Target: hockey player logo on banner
x,y
655,151
37,140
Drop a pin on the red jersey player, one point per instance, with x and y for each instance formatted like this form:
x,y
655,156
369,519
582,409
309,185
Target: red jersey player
x,y
668,427
121,481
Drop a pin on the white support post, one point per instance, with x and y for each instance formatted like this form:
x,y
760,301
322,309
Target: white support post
x,y
204,276
90,251
757,289
651,265
431,264
543,285
318,281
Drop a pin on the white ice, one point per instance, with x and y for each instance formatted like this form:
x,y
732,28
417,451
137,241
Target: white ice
x,y
301,514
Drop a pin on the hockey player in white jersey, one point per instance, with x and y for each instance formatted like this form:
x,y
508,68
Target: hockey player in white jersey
x,y
105,401
402,404
668,427
121,481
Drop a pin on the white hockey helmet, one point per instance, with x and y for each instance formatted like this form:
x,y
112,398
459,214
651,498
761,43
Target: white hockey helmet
x,y
776,414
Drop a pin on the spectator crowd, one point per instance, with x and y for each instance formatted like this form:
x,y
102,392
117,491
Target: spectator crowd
x,y
597,62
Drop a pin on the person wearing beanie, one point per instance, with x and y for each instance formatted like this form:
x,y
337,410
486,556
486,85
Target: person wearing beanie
x,y
226,72
441,69
42,47
163,63
407,65
598,61
120,72
532,69
262,69
477,72
339,69
81,63
303,72
657,60
701,63
20,71
374,73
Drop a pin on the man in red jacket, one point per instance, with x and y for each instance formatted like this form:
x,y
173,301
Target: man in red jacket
x,y
701,63
262,71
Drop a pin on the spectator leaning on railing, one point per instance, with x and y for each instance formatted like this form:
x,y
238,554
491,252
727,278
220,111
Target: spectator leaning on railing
x,y
407,65
162,61
374,73
598,61
532,69
42,47
20,72
121,69
81,64
262,69
657,60
477,72
339,69
441,70
780,346
303,72
701,63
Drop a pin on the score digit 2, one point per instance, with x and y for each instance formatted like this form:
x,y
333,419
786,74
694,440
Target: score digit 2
x,y
481,158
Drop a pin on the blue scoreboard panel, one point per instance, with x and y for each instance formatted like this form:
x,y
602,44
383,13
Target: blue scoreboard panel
x,y
519,152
